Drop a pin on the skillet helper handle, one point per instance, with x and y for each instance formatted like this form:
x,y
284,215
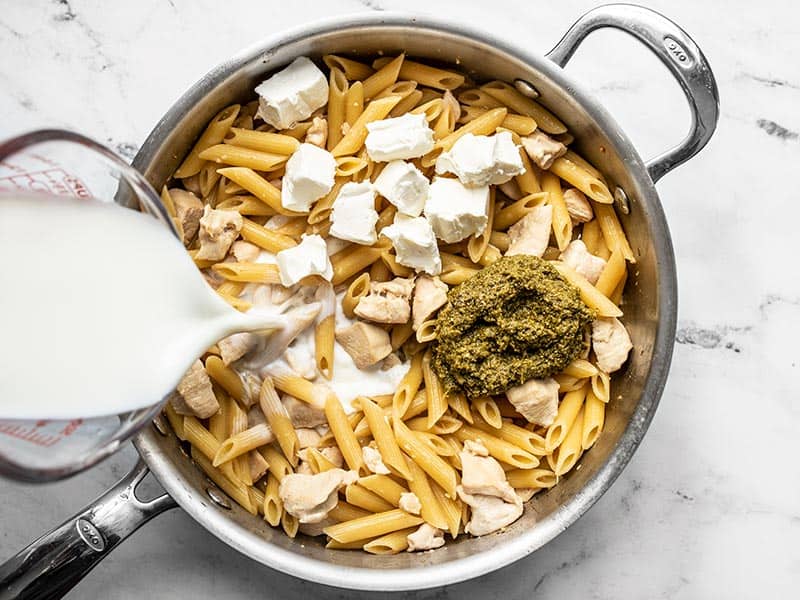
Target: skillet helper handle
x,y
52,565
677,51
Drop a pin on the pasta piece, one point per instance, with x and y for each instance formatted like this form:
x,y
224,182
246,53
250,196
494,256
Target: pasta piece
x,y
613,234
350,166
273,143
477,244
343,433
483,125
324,337
451,507
531,478
357,289
514,434
353,104
351,69
612,274
401,333
407,388
434,442
264,238
589,294
441,472
569,452
337,92
214,133
243,442
406,104
354,138
235,489
582,163
431,109
248,272
350,261
385,487
562,224
290,524
391,543
200,438
314,394
273,505
426,331
594,412
431,510
486,407
446,424
601,386
237,156
279,421
478,98
458,402
346,512
258,186
437,403
568,409
383,77
279,467
580,368
440,79
523,105
515,211
175,421
372,526
384,438
399,88
247,205
582,179
498,448
318,462
363,498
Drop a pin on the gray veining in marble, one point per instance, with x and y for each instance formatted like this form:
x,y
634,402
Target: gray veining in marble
x,y
710,505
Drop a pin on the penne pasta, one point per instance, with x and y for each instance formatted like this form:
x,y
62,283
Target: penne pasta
x,y
391,543
438,470
589,294
407,388
500,449
248,272
273,506
353,140
590,185
362,498
343,434
385,487
279,421
324,338
613,234
562,224
384,438
568,409
273,143
508,96
437,403
237,156
383,77
214,134
351,69
486,408
372,526
432,510
357,289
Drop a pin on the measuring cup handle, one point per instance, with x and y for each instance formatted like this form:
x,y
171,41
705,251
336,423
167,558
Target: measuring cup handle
x,y
57,561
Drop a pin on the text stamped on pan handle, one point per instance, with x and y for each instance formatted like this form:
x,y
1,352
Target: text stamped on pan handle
x,y
673,46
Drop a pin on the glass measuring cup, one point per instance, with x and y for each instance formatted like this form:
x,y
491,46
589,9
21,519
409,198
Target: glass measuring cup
x,y
62,163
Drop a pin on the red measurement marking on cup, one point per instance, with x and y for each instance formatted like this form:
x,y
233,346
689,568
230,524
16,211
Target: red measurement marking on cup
x,y
35,433
53,181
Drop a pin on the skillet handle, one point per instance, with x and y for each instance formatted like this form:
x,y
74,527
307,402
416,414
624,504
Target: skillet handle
x,y
673,46
57,561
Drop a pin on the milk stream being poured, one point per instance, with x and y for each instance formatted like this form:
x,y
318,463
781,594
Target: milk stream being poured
x,y
101,309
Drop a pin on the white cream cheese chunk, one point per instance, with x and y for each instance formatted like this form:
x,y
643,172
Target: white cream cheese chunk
x,y
455,211
309,176
309,257
414,243
479,160
354,216
402,137
292,94
403,185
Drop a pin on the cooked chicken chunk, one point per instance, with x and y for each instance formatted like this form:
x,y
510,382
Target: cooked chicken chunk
x,y
245,251
303,414
307,437
611,343
582,261
195,395
430,294
387,301
390,362
426,537
543,149
258,465
482,474
489,513
374,461
188,210
531,233
317,134
366,344
218,230
311,497
578,207
235,346
410,503
536,400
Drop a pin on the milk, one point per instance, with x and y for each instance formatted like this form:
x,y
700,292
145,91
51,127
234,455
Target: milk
x,y
101,309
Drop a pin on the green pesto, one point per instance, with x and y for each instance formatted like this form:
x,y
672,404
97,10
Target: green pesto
x,y
515,320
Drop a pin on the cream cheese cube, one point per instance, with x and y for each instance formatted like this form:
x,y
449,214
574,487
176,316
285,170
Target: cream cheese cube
x,y
292,94
309,257
354,216
456,211
403,185
402,137
309,176
479,160
414,243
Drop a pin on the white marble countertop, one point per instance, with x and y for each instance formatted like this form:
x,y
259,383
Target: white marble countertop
x,y
710,504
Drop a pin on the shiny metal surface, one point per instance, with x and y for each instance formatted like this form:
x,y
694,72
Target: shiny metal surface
x,y
649,304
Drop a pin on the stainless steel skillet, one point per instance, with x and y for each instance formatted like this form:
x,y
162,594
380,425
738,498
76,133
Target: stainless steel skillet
x,y
56,562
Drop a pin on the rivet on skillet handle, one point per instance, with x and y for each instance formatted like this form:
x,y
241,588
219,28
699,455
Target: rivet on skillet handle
x,y
52,565
673,46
